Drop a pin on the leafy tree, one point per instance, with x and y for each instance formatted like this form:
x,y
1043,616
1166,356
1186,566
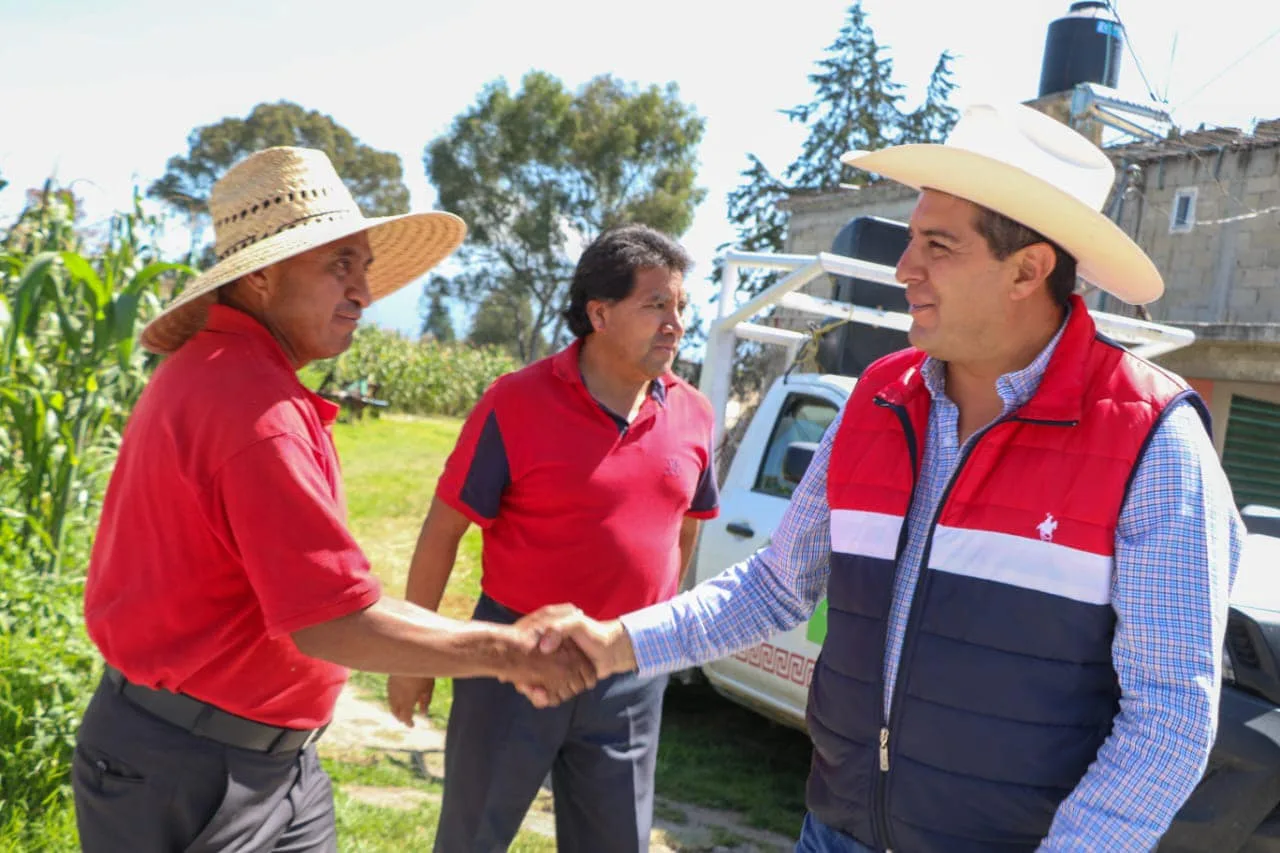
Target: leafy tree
x,y
435,321
503,319
540,171
375,178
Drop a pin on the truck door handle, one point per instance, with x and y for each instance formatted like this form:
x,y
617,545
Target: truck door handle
x,y
738,528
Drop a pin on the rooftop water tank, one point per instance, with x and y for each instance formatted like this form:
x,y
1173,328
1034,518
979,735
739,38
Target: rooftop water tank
x,y
1083,46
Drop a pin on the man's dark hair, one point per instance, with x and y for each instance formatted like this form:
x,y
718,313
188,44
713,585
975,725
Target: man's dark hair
x,y
607,269
1004,237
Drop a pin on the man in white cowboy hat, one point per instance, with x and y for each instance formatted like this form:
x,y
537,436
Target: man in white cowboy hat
x,y
1023,533
225,591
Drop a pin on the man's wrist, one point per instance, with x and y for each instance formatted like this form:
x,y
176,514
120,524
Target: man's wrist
x,y
621,652
500,651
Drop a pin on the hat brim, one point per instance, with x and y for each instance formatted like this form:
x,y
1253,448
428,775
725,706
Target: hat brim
x,y
404,247
1105,255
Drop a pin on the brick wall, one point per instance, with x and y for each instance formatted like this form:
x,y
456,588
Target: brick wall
x,y
1226,269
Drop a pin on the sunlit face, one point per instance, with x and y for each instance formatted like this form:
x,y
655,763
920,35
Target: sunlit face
x,y
642,332
957,290
312,302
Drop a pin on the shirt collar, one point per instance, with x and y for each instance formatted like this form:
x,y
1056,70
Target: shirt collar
x,y
225,320
565,364
1015,389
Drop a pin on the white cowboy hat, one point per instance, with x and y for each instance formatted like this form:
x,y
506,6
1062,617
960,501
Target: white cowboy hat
x,y
1040,173
281,202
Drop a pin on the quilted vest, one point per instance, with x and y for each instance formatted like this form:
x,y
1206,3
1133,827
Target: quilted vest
x,y
1006,689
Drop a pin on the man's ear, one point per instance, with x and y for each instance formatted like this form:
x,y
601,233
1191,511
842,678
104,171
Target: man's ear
x,y
597,313
1034,265
257,282
249,291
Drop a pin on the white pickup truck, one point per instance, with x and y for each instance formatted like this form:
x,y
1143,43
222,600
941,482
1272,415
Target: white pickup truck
x,y
772,678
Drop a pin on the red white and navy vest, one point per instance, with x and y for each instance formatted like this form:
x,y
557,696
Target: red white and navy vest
x,y
1006,688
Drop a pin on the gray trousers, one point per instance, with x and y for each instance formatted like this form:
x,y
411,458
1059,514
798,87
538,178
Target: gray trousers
x,y
145,786
600,749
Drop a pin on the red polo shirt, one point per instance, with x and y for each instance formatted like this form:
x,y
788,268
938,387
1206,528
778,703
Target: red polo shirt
x,y
576,504
224,530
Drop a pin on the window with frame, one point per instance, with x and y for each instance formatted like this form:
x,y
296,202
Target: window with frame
x,y
803,418
1182,216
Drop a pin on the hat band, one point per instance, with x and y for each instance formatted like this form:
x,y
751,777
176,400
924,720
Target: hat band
x,y
246,242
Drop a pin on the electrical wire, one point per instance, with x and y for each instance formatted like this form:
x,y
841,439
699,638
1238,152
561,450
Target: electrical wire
x,y
1111,4
1241,58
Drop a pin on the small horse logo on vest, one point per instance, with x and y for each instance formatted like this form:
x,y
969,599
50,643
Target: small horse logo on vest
x,y
1047,527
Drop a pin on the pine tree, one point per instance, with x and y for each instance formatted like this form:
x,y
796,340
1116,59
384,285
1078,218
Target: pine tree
x,y
856,105
932,121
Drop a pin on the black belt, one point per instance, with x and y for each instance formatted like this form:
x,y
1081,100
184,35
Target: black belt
x,y
208,721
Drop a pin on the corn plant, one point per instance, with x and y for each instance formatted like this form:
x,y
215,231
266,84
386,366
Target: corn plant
x,y
420,377
69,364
70,310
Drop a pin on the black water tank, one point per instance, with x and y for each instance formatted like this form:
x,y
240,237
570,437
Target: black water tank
x,y
1083,46
850,348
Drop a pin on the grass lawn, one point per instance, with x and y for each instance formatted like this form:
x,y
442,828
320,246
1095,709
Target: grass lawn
x,y
409,824
390,466
712,752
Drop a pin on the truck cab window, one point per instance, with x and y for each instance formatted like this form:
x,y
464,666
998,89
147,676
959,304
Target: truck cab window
x,y
802,418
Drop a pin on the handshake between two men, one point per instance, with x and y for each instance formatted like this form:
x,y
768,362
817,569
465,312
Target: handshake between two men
x,y
550,656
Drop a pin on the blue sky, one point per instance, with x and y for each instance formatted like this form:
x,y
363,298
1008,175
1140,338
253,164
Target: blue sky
x,y
102,93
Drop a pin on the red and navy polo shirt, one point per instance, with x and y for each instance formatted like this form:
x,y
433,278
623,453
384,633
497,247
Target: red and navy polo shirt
x,y
576,504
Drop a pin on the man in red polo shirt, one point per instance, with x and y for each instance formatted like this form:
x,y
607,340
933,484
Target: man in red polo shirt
x,y
224,590
588,473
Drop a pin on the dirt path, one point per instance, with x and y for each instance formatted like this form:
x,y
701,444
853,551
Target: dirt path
x,y
360,725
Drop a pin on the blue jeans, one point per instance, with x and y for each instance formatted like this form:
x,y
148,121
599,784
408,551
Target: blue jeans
x,y
817,837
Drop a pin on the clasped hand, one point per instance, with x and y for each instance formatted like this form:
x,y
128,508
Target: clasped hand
x,y
569,654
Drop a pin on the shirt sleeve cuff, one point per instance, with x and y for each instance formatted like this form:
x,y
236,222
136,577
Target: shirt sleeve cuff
x,y
652,631
356,597
703,514
463,507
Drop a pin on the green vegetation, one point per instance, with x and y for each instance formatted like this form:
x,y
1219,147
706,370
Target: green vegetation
x,y
69,372
422,377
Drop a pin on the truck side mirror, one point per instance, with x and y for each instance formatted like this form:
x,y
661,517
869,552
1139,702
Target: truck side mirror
x,y
796,460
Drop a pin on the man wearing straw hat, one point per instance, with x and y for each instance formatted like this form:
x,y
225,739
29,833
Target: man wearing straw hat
x,y
1023,533
224,590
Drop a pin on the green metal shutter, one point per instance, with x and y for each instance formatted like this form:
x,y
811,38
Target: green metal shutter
x,y
1251,451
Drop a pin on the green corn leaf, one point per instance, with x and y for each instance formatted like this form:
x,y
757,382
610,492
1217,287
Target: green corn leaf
x,y
84,272
30,285
124,314
148,274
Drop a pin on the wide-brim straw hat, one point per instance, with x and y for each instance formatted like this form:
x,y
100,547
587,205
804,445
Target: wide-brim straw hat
x,y
281,202
1038,172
